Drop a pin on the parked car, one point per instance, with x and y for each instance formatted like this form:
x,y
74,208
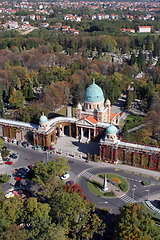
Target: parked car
x,y
18,179
13,155
14,141
18,142
25,144
36,147
25,169
9,140
65,176
30,166
6,159
69,183
5,139
9,162
9,195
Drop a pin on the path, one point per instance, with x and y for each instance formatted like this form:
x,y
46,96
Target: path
x,y
136,128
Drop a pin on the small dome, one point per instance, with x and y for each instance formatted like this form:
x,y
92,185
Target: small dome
x,y
43,119
108,101
93,93
111,129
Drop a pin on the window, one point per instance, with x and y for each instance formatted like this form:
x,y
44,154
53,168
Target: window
x,y
98,106
89,106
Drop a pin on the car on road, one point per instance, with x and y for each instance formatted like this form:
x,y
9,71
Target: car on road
x,y
9,140
65,176
9,162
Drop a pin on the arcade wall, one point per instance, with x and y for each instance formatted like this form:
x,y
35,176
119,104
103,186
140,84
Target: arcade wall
x,y
130,157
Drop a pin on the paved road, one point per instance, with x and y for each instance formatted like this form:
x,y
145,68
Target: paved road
x,y
133,178
82,171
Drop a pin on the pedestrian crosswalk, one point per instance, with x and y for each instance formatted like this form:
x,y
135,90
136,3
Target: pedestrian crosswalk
x,y
127,199
87,175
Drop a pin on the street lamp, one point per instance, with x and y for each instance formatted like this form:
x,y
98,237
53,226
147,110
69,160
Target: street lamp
x,y
133,189
148,191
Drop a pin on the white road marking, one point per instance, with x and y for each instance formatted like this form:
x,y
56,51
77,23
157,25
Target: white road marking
x,y
87,175
127,199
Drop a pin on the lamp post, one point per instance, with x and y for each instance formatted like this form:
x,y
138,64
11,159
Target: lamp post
x,y
133,189
148,191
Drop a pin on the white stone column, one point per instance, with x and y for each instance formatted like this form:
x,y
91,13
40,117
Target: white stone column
x,y
89,134
94,132
81,132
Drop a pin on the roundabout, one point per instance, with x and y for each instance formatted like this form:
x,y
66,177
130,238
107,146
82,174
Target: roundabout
x,y
134,190
108,185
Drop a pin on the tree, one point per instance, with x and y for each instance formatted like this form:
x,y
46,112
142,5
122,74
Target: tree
x,y
133,222
16,99
48,176
141,60
14,232
78,219
125,132
15,62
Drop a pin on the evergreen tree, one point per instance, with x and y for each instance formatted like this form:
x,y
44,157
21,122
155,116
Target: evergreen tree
x,y
141,60
10,90
30,93
133,59
15,62
125,135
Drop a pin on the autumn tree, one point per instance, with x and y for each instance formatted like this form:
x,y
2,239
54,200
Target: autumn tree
x,y
16,99
134,222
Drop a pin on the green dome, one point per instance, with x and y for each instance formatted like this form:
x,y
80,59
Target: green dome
x,y
93,93
111,129
43,119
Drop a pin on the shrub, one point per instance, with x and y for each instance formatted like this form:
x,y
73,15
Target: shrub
x,y
4,178
122,186
4,153
115,180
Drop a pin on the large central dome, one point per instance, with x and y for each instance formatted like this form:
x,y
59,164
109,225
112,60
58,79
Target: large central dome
x,y
93,93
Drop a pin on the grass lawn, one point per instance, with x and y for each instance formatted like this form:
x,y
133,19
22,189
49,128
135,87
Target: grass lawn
x,y
95,188
134,121
62,111
123,181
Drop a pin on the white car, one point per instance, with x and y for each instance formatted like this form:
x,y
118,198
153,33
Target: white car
x,y
65,176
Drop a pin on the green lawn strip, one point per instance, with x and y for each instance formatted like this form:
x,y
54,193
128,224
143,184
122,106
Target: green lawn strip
x,y
123,181
95,188
62,111
134,121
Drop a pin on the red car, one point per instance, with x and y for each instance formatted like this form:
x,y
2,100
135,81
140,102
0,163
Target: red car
x,y
9,140
30,166
9,162
18,179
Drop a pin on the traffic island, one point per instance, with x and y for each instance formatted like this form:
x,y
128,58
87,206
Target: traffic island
x,y
96,185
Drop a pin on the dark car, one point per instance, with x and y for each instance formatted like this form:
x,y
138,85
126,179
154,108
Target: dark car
x,y
13,155
25,144
6,159
70,183
18,142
